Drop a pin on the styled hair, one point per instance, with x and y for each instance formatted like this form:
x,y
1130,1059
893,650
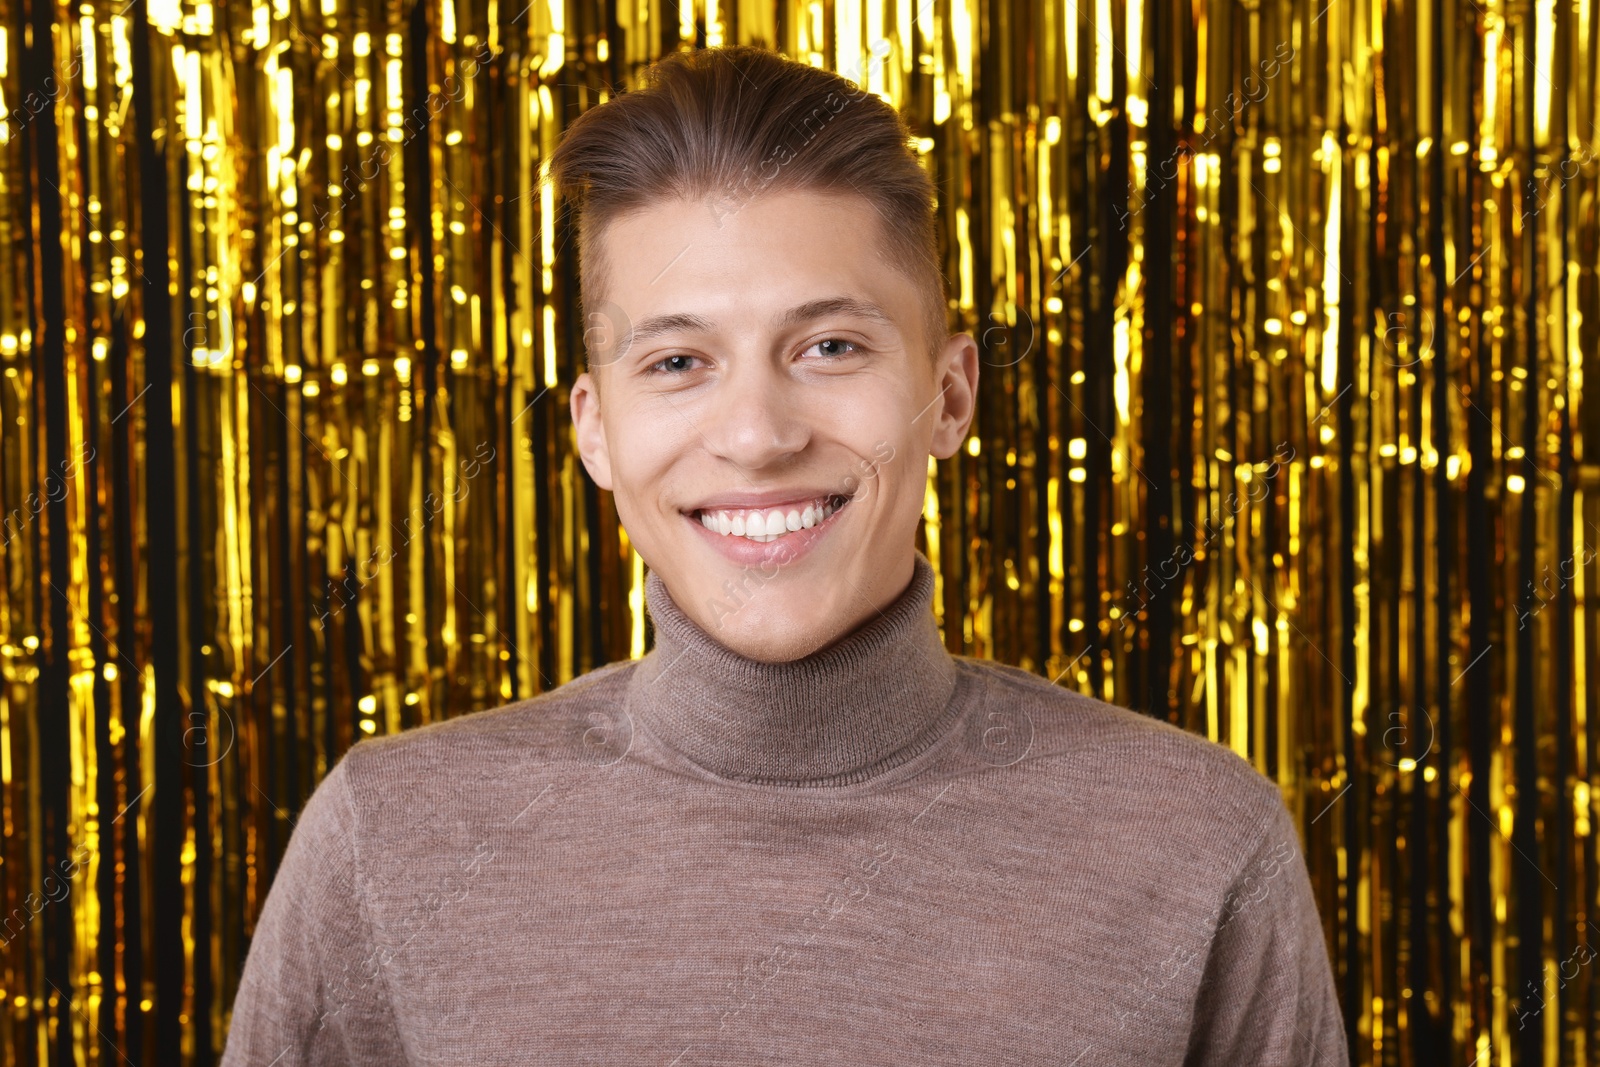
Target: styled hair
x,y
724,125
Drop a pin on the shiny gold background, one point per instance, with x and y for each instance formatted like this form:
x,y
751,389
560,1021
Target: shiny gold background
x,y
1285,308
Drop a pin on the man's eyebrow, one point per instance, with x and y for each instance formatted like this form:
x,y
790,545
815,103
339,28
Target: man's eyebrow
x,y
834,305
657,325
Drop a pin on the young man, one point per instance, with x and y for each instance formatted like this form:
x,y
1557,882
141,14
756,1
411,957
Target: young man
x,y
799,831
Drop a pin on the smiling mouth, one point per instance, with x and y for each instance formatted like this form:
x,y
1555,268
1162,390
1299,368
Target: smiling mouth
x,y
769,524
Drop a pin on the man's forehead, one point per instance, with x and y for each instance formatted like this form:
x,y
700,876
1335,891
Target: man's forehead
x,y
652,239
783,260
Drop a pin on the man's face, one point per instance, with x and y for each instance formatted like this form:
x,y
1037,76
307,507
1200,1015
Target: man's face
x,y
763,370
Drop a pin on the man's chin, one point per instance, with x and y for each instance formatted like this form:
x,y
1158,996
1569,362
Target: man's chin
x,y
776,613
713,589
774,635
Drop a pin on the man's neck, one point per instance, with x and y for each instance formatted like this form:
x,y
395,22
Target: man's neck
x,y
865,703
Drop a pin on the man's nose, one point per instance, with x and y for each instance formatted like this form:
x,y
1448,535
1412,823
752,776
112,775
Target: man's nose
x,y
755,418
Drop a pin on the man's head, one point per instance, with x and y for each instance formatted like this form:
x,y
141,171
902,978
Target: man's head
x,y
767,336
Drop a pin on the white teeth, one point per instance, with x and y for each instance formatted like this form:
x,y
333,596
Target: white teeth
x,y
770,524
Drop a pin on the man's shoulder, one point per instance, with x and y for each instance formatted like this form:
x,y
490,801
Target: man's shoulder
x,y
579,722
1106,754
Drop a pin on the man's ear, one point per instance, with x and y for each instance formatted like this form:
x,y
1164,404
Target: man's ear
x,y
585,401
956,377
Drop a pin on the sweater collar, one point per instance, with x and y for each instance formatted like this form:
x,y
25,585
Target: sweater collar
x,y
869,702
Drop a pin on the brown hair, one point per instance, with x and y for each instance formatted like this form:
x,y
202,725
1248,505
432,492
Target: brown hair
x,y
726,124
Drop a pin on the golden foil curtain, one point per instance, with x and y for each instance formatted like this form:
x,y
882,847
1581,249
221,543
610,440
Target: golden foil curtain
x,y
1285,308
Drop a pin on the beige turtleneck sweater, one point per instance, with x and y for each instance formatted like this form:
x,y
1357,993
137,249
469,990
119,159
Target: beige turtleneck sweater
x,y
878,854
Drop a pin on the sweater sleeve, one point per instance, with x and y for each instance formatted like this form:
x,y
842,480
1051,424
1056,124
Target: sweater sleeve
x,y
1267,997
313,992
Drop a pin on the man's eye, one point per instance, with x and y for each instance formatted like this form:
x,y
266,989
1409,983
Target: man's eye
x,y
833,348
671,365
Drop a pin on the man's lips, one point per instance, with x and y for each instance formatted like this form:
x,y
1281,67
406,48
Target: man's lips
x,y
764,499
772,520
